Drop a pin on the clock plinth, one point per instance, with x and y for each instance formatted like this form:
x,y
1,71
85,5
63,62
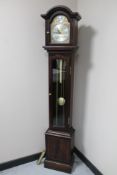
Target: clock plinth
x,y
58,166
61,33
59,150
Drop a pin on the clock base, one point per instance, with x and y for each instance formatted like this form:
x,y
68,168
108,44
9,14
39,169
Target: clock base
x,y
59,150
58,166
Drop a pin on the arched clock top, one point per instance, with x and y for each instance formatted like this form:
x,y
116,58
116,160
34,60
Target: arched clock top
x,y
60,10
61,27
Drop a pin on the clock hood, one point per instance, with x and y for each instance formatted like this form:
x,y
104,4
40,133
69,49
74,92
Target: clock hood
x,y
61,9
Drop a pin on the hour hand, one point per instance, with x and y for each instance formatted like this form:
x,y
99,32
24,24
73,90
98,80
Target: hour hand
x,y
59,31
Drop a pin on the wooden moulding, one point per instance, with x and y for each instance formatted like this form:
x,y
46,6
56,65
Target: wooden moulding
x,y
58,166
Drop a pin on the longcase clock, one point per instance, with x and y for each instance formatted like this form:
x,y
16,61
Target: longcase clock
x,y
61,34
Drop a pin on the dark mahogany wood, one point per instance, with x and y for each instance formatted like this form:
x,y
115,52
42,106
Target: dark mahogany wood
x,y
72,17
59,150
60,48
60,140
58,166
62,9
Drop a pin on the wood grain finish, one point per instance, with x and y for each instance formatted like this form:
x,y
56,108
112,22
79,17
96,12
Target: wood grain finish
x,y
60,139
58,166
59,150
73,18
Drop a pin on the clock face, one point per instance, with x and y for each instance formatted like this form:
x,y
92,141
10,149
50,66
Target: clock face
x,y
60,30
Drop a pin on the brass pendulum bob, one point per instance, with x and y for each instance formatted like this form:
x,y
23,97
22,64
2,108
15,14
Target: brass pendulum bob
x,y
61,101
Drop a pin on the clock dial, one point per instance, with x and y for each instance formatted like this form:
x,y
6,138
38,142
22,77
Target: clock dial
x,y
60,30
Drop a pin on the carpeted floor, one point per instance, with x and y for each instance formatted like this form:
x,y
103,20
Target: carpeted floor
x,y
32,168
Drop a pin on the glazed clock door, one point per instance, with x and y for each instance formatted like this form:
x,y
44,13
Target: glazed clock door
x,y
59,92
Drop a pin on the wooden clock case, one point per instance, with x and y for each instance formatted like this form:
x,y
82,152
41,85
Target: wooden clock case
x,y
59,140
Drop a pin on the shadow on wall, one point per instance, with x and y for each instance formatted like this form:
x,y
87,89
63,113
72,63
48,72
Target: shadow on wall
x,y
82,66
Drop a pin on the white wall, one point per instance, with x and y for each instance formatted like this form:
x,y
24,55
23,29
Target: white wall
x,y
23,76
24,80
95,103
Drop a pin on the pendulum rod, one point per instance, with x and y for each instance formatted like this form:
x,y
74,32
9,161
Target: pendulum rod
x,y
57,78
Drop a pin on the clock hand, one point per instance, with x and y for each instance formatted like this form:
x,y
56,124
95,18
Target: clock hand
x,y
59,31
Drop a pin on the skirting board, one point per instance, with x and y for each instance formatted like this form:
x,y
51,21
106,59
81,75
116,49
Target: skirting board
x,y
87,162
23,160
20,161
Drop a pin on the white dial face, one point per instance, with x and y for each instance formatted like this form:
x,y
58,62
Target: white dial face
x,y
60,30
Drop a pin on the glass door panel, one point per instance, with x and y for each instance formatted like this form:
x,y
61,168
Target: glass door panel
x,y
58,92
